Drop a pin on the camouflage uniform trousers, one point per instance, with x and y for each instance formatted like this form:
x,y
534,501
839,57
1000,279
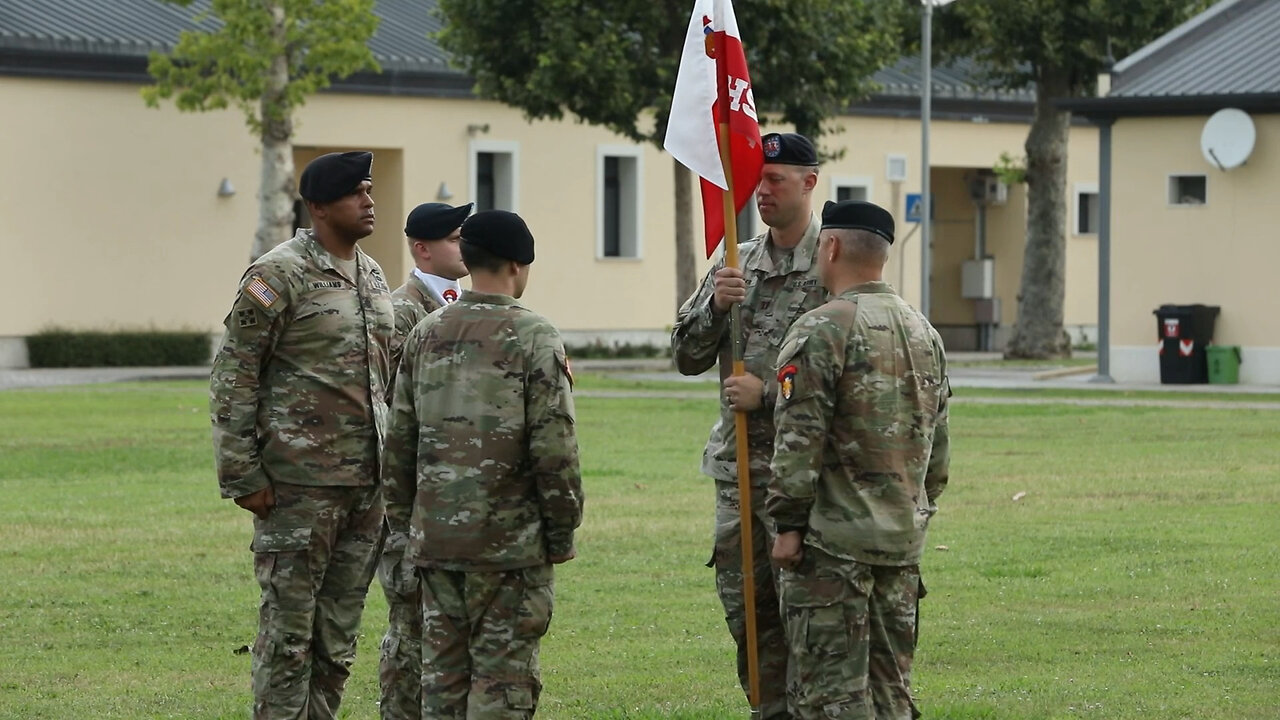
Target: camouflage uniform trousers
x,y
852,632
400,665
314,558
771,641
481,632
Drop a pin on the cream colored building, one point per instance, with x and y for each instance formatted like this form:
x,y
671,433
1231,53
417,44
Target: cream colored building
x,y
118,216
1188,226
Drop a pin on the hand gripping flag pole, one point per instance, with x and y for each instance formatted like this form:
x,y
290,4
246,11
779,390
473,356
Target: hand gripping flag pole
x,y
713,130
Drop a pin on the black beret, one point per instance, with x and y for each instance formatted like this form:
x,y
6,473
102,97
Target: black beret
x,y
335,175
788,149
433,221
858,215
501,233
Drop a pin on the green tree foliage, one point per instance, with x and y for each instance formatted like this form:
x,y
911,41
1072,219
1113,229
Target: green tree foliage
x,y
265,57
613,63
1060,47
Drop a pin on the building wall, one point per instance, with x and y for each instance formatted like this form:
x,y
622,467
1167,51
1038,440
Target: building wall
x,y
1222,253
115,220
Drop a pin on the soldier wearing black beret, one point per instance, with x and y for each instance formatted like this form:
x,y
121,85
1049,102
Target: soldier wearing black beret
x,y
434,236
776,283
298,402
482,476
861,454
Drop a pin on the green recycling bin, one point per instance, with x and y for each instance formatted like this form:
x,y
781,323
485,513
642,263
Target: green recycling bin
x,y
1224,364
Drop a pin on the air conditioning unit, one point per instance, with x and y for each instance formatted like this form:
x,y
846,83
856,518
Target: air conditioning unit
x,y
895,168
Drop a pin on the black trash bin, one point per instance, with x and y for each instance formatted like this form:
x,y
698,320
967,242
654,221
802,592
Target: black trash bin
x,y
1184,332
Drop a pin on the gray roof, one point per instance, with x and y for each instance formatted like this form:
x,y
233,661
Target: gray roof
x,y
1233,48
110,39
138,27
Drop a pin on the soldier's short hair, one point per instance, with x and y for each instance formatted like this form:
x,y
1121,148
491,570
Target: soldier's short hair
x,y
477,258
862,246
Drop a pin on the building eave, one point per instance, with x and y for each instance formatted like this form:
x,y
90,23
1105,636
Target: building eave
x,y
1107,109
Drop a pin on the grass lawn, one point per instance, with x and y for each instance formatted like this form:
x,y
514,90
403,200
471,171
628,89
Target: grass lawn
x,y
1136,578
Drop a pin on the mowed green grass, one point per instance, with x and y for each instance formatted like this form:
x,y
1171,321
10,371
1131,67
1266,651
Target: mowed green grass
x,y
1138,577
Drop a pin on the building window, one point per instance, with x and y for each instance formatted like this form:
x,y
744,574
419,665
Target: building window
x,y
494,169
1086,210
1188,190
856,187
618,201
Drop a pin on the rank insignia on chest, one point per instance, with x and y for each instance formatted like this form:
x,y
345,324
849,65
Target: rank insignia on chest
x,y
787,381
247,317
260,291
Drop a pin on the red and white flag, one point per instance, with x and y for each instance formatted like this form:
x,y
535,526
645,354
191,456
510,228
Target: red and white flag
x,y
714,87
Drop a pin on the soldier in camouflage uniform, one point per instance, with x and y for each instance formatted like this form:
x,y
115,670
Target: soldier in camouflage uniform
x,y
298,403
861,456
481,471
433,233
777,283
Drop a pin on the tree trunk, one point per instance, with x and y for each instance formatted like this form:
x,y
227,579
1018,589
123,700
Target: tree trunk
x,y
686,256
1039,331
275,191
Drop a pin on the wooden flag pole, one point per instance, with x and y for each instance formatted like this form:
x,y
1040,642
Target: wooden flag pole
x,y
740,433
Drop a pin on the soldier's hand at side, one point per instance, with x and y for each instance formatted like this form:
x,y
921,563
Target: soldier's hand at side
x,y
258,503
788,549
730,288
744,392
561,559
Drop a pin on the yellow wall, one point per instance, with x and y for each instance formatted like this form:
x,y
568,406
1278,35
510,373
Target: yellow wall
x,y
113,217
1223,253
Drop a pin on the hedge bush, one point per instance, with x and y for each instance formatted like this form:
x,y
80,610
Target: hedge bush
x,y
600,350
128,348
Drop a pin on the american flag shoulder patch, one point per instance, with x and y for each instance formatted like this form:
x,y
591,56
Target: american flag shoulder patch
x,y
259,290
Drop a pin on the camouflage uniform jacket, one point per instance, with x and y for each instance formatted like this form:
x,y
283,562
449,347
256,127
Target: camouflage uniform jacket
x,y
412,302
862,450
299,383
776,296
481,465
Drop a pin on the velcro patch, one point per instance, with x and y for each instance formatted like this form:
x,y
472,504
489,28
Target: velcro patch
x,y
786,380
247,317
259,290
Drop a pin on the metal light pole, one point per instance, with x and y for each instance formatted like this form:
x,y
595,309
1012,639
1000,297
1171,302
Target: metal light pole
x,y
926,111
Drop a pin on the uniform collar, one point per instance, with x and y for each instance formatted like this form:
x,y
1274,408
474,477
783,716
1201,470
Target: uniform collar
x,y
800,259
324,259
488,298
869,288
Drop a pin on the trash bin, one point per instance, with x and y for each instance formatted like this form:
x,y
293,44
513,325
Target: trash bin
x,y
1185,332
1224,364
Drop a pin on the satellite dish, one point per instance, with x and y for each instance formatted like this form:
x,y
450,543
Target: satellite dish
x,y
1228,138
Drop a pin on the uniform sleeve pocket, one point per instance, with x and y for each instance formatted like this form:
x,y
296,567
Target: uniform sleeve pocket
x,y
274,540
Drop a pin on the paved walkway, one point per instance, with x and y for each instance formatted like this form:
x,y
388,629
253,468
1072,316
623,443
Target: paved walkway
x,y
970,370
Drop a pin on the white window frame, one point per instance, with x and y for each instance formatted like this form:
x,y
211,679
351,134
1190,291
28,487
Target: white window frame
x,y
866,182
633,202
1169,185
509,148
1084,189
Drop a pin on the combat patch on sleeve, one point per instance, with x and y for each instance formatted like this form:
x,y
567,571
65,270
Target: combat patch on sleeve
x,y
786,381
261,292
247,317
